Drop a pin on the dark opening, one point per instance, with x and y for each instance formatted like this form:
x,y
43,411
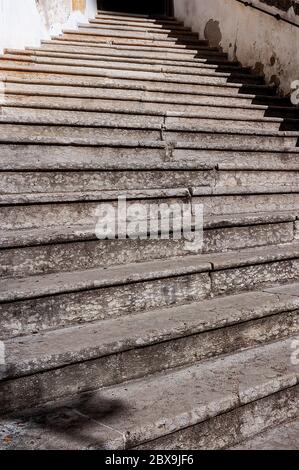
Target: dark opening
x,y
142,7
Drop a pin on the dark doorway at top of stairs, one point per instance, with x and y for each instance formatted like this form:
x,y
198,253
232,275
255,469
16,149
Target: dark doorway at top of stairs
x,y
144,7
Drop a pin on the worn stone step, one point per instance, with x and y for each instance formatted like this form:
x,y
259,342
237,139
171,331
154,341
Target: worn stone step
x,y
248,221
284,436
194,332
152,156
151,91
146,53
146,82
166,411
140,119
232,73
18,81
150,24
128,44
232,139
175,30
154,41
147,105
60,186
133,60
82,212
89,61
129,79
77,248
50,301
172,35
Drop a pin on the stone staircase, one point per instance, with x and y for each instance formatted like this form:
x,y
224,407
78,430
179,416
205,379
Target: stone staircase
x,y
114,344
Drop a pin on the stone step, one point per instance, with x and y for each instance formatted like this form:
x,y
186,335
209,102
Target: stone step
x,y
104,14
284,436
126,52
213,138
77,248
148,91
232,72
80,86
90,61
24,71
180,336
152,156
37,303
171,35
147,105
154,41
257,222
156,28
140,119
59,186
206,405
150,24
83,212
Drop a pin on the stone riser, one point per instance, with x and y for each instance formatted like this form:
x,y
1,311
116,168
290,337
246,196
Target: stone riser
x,y
54,311
72,118
94,99
48,158
80,213
171,35
184,79
231,428
125,52
68,381
55,257
236,139
132,88
154,42
60,186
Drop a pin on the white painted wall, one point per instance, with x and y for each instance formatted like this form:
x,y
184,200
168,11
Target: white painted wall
x,y
252,37
24,23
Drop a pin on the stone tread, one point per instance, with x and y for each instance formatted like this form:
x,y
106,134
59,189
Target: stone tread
x,y
31,354
53,284
282,437
32,237
127,415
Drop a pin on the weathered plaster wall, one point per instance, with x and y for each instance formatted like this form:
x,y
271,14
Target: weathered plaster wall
x,y
254,38
26,22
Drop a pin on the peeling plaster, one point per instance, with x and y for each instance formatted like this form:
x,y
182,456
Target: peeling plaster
x,y
248,35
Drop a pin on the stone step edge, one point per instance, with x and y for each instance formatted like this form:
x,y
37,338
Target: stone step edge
x,y
275,101
147,113
111,51
194,63
27,355
166,403
104,195
36,81
177,30
11,100
183,50
136,63
283,436
133,33
53,284
114,14
77,233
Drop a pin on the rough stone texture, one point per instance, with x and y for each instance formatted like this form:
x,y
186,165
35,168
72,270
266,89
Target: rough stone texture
x,y
282,437
126,416
177,346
